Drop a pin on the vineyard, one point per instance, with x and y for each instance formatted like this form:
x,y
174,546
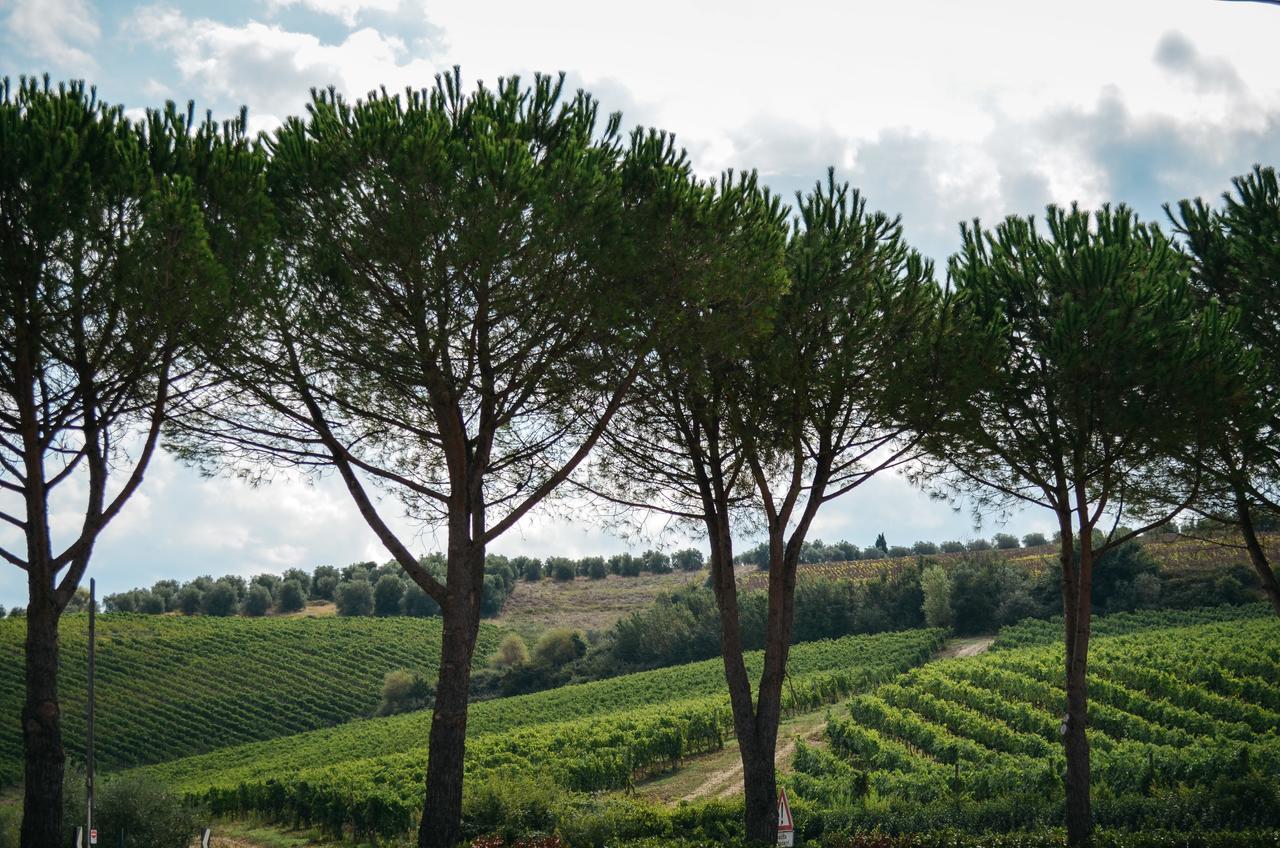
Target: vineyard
x,y
366,776
168,687
1184,729
1177,556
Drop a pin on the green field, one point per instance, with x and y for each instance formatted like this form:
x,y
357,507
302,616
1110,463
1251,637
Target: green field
x,y
172,686
367,775
1184,729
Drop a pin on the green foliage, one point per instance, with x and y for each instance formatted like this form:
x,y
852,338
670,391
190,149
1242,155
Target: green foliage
x,y
512,652
257,679
559,645
221,600
1034,540
936,587
1183,727
1005,541
403,691
354,598
588,737
257,600
562,570
292,597
387,594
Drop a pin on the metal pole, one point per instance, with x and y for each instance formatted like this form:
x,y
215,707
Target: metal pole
x,y
88,739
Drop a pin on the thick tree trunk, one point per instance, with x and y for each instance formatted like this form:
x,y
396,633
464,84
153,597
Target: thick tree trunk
x,y
42,725
441,825
760,783
1258,556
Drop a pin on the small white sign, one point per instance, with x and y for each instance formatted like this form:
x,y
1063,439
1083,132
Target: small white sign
x,y
786,825
93,836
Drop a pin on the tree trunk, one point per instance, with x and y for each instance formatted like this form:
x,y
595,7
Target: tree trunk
x,y
41,723
1075,739
441,825
758,777
1257,555
759,781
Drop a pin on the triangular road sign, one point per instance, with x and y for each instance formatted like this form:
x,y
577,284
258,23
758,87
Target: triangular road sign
x,y
785,823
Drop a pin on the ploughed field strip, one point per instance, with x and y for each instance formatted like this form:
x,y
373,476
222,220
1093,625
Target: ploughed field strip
x,y
1184,729
592,737
169,686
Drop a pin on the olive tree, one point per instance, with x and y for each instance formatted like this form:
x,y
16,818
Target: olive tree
x,y
1079,370
458,313
111,237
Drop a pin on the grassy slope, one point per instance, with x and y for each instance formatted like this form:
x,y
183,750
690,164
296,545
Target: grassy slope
x,y
366,740
172,686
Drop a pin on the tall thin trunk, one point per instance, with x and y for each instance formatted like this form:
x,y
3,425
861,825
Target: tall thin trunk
x,y
1075,739
756,751
41,723
441,825
1257,555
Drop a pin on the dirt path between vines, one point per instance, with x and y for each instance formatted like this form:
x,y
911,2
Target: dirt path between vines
x,y
719,774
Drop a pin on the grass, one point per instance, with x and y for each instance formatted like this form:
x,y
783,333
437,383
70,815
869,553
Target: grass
x,y
585,603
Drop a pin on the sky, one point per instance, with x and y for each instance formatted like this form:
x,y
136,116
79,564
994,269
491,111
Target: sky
x,y
939,111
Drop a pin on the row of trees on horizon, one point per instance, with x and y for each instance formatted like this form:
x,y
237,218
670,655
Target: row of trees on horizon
x,y
477,302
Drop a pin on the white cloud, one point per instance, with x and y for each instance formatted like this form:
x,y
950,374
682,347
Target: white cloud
x,y
272,69
348,11
62,32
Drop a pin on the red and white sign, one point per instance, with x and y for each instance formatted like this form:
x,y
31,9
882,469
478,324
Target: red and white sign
x,y
93,836
786,825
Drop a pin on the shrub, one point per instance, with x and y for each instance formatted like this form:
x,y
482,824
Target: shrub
x,y
897,551
559,645
952,547
292,597
221,599
1034,540
936,586
324,582
688,559
1005,541
655,562
512,652
924,548
404,691
417,603
528,568
978,545
257,601
354,598
387,594
562,569
146,810
190,599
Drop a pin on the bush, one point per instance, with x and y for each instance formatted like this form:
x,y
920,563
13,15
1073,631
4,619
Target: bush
x,y
597,569
559,645
190,599
1005,541
897,551
512,652
292,597
936,586
528,568
562,569
404,691
978,545
257,601
324,582
924,548
1034,540
221,599
655,562
417,603
688,559
387,594
150,814
354,598
952,547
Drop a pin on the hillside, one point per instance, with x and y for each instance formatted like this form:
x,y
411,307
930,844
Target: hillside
x,y
1184,727
172,686
587,737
